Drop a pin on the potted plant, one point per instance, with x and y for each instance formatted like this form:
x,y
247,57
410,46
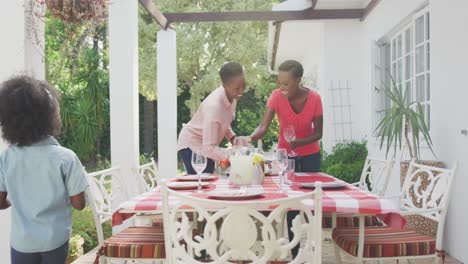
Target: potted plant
x,y
404,122
76,11
402,117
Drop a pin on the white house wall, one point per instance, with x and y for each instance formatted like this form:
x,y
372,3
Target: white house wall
x,y
347,56
449,40
343,67
383,19
449,94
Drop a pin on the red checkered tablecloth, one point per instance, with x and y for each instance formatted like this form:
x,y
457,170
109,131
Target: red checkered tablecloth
x,y
347,200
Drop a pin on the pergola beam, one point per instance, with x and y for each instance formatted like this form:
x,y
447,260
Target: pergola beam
x,y
368,9
314,3
310,13
155,13
275,44
307,14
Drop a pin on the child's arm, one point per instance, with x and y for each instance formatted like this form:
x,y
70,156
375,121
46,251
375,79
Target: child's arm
x,y
75,181
78,201
4,203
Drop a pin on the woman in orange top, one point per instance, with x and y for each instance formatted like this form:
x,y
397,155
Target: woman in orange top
x,y
297,107
300,108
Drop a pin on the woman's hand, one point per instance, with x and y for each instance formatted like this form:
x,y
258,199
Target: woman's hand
x,y
293,144
242,141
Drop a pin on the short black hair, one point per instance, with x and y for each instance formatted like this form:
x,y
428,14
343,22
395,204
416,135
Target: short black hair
x,y
293,67
28,110
230,70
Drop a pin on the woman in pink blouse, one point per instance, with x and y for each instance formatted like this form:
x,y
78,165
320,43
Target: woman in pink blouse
x,y
212,121
297,107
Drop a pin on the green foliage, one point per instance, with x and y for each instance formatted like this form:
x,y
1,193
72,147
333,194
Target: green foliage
x,y
75,245
345,161
76,63
250,110
83,225
402,117
202,48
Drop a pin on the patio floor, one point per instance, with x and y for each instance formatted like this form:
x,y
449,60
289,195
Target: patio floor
x,y
328,257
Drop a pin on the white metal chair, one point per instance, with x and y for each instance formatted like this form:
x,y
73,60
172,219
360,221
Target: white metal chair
x,y
380,243
238,231
375,175
374,178
148,178
148,175
135,244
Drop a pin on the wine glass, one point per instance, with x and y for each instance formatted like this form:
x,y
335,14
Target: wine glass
x,y
282,161
290,135
290,171
199,164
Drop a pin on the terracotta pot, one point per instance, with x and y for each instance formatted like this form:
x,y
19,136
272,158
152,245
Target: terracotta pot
x,y
419,223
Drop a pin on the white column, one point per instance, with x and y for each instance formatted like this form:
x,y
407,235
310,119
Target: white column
x,y
19,55
167,102
34,44
123,74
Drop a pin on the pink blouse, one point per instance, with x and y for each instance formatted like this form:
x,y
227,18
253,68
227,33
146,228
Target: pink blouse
x,y
302,122
210,124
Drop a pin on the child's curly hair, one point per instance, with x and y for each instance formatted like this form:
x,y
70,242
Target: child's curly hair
x,y
29,110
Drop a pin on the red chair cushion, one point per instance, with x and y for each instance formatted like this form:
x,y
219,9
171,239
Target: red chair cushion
x,y
384,242
136,242
348,220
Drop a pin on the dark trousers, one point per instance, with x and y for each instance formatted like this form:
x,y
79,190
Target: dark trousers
x,y
186,155
310,163
56,256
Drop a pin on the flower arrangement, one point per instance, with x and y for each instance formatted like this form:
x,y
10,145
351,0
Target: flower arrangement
x,y
258,159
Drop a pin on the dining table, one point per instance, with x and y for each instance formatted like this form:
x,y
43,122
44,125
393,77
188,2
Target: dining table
x,y
347,199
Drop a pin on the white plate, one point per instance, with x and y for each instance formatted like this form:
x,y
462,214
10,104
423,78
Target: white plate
x,y
235,194
185,185
204,177
325,185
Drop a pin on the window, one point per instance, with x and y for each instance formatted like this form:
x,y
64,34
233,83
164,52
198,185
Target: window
x,y
381,70
404,54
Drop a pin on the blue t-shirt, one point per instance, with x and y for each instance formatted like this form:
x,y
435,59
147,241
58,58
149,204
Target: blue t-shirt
x,y
39,180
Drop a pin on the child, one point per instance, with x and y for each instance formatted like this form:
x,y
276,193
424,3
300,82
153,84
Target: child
x,y
39,179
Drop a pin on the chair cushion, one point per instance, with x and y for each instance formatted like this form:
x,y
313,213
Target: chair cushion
x,y
136,242
384,242
158,223
349,220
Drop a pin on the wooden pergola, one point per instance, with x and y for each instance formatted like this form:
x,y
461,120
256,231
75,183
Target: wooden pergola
x,y
311,13
123,52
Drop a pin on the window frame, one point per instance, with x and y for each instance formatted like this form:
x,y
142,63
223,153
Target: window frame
x,y
406,79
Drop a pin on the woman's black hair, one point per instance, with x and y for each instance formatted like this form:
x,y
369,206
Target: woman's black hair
x,y
293,67
230,70
29,110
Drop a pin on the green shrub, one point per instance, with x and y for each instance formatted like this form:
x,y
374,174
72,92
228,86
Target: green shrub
x,y
83,225
75,248
345,161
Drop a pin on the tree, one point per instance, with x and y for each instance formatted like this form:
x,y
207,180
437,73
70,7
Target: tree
x,y
202,48
76,63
